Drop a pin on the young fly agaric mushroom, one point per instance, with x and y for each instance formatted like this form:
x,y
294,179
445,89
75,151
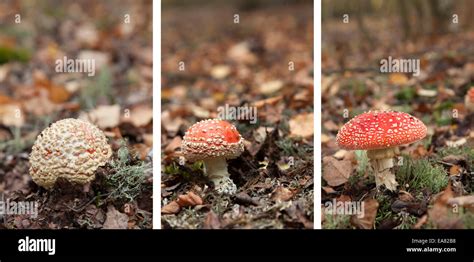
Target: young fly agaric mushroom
x,y
70,148
214,141
469,100
380,133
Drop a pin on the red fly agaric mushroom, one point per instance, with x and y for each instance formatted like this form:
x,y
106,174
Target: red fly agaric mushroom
x,y
70,148
469,100
214,141
380,133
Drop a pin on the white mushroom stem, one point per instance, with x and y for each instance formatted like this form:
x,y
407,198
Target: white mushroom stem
x,y
216,168
382,162
216,171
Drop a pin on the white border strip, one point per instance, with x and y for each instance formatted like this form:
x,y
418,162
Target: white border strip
x,y
317,112
157,114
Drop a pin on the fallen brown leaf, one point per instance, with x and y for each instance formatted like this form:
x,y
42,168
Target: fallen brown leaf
x,y
397,78
148,139
463,201
103,116
405,196
58,94
271,87
454,170
189,199
282,194
115,219
328,189
330,126
244,199
11,115
453,159
441,214
171,123
212,221
302,125
173,145
40,105
422,221
5,100
140,116
142,150
268,102
241,53
336,172
171,208
220,71
370,211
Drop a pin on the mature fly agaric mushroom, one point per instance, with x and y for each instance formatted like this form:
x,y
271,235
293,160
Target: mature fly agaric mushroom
x,y
214,141
70,148
469,100
380,133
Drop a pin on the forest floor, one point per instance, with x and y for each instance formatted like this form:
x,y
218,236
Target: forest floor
x,y
436,175
117,99
240,64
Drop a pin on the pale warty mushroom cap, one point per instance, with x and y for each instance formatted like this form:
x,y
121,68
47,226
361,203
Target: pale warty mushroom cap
x,y
212,138
70,148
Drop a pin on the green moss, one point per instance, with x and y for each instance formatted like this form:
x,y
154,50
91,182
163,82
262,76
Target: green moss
x,y
468,154
14,145
427,141
385,209
17,144
188,172
408,221
421,174
362,161
287,146
100,88
442,113
355,112
353,179
445,106
468,220
337,222
172,169
364,171
357,87
13,54
464,151
129,176
406,94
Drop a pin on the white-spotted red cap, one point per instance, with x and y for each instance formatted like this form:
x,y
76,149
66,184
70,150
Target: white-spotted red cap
x,y
380,129
212,138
